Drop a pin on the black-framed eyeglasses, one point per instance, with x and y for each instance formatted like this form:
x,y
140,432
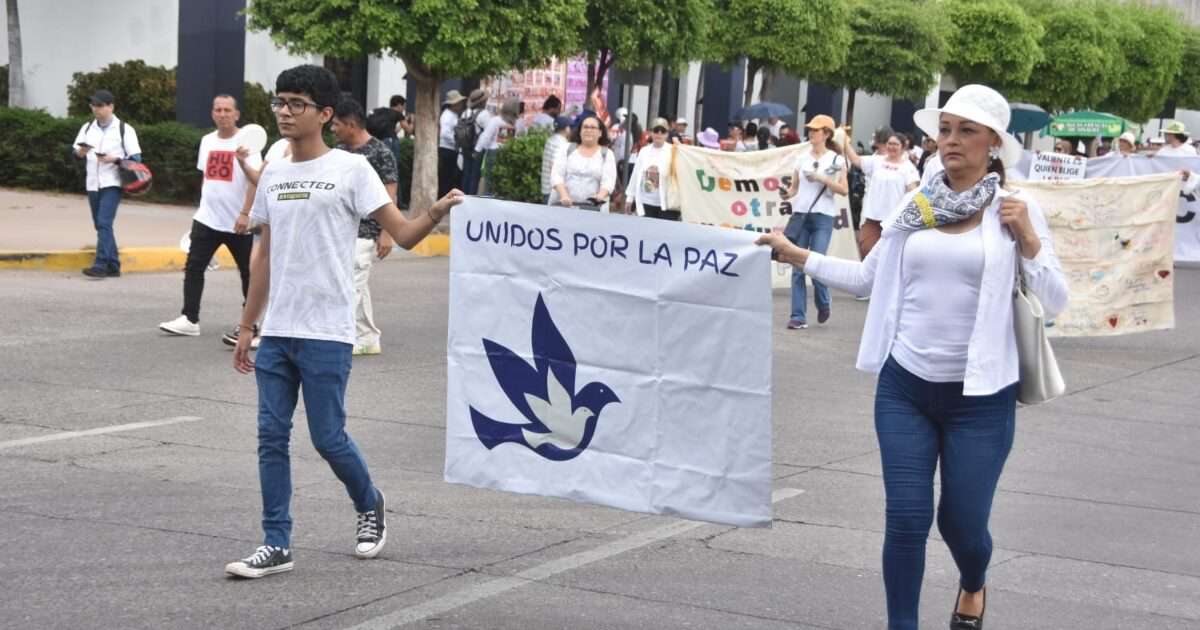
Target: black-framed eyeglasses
x,y
295,106
590,127
659,130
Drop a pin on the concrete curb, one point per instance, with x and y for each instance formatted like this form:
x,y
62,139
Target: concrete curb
x,y
150,259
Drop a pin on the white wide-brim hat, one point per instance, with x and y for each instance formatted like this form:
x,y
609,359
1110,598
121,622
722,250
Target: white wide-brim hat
x,y
980,104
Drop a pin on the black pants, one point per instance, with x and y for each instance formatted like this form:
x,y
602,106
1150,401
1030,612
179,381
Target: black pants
x,y
205,242
448,174
656,212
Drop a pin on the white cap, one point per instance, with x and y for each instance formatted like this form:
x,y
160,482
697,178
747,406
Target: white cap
x,y
681,121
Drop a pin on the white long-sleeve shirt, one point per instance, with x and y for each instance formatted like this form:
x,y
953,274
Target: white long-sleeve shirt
x,y
446,130
992,349
489,139
649,175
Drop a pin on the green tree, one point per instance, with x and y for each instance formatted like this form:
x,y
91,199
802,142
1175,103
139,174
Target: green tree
x,y
898,49
1153,61
634,34
801,37
1187,83
517,173
994,42
436,39
1082,60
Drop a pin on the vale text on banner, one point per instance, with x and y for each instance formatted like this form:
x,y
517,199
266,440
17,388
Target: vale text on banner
x,y
610,359
1114,238
742,191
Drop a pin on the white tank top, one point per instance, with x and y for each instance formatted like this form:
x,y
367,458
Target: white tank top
x,y
940,283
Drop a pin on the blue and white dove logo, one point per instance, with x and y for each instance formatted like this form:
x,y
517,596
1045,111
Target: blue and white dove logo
x,y
561,421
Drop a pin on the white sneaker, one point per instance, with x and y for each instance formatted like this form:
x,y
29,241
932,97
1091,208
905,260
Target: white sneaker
x,y
180,326
367,349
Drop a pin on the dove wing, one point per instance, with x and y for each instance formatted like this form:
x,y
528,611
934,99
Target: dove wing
x,y
551,349
566,426
516,378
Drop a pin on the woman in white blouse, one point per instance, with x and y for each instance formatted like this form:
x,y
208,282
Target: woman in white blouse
x,y
585,170
890,176
939,333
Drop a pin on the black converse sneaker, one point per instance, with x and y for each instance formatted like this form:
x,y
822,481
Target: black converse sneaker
x,y
372,530
265,561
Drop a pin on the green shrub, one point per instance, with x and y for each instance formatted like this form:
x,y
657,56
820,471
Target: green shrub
x,y
256,109
144,94
517,174
37,155
404,168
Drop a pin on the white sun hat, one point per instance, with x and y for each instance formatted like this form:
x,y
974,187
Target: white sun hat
x,y
980,104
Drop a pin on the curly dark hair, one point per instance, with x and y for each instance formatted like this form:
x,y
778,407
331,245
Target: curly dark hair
x,y
575,130
316,82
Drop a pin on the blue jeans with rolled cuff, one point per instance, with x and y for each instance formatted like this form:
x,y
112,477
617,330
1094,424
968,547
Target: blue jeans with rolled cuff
x,y
920,425
284,368
104,204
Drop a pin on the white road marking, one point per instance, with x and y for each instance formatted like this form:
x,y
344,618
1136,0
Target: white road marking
x,y
497,586
68,435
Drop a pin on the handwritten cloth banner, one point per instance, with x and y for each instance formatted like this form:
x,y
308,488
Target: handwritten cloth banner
x,y
1056,166
741,191
1115,238
610,359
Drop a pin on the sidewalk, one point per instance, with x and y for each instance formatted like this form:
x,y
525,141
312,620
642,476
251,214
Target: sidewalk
x,y
53,232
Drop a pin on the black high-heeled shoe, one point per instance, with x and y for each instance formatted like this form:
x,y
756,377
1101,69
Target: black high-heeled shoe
x,y
967,622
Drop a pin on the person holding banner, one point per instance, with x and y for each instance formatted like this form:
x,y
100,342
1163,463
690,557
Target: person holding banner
x,y
585,171
818,175
302,275
891,175
939,333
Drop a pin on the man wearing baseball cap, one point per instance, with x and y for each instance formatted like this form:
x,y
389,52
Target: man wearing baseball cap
x,y
679,132
104,142
1177,142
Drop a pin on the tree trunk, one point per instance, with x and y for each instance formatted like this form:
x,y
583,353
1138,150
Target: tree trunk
x,y
591,78
426,112
850,94
752,68
699,98
655,93
16,74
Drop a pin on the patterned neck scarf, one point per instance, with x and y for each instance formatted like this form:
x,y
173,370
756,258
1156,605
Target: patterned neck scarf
x,y
937,204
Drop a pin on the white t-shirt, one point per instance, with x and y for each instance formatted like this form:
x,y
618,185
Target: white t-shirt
x,y
888,183
828,165
225,183
496,132
582,176
279,151
1183,150
313,209
649,174
542,120
106,140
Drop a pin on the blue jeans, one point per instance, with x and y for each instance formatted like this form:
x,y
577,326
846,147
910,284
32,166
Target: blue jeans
x,y
104,211
283,367
810,230
919,423
472,170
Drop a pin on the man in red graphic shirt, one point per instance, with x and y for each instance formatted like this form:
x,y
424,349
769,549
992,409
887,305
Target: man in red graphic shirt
x,y
223,163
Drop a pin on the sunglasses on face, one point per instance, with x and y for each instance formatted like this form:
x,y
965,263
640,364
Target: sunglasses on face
x,y
659,130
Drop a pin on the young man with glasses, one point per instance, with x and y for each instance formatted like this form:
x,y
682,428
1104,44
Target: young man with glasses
x,y
644,190
302,274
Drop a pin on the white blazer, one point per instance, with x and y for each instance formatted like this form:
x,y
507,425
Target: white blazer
x,y
992,348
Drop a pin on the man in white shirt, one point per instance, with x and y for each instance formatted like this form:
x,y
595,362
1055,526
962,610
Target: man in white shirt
x,y
448,174
223,162
104,142
1176,136
554,144
302,275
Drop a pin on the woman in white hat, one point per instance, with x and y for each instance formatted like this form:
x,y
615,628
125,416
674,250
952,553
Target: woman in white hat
x,y
939,333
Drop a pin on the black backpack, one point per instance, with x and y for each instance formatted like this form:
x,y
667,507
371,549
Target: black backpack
x,y
465,132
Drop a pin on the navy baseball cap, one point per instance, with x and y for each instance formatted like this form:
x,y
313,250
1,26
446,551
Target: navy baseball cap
x,y
101,97
562,122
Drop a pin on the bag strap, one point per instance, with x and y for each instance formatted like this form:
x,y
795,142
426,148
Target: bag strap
x,y
816,199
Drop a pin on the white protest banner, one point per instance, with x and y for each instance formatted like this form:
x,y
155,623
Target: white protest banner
x,y
610,359
1056,167
1114,237
742,191
1187,223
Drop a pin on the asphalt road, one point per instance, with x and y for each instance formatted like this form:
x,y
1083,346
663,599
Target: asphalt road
x,y
107,523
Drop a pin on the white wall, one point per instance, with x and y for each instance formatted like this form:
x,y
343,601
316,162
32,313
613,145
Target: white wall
x,y
385,77
61,37
265,60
